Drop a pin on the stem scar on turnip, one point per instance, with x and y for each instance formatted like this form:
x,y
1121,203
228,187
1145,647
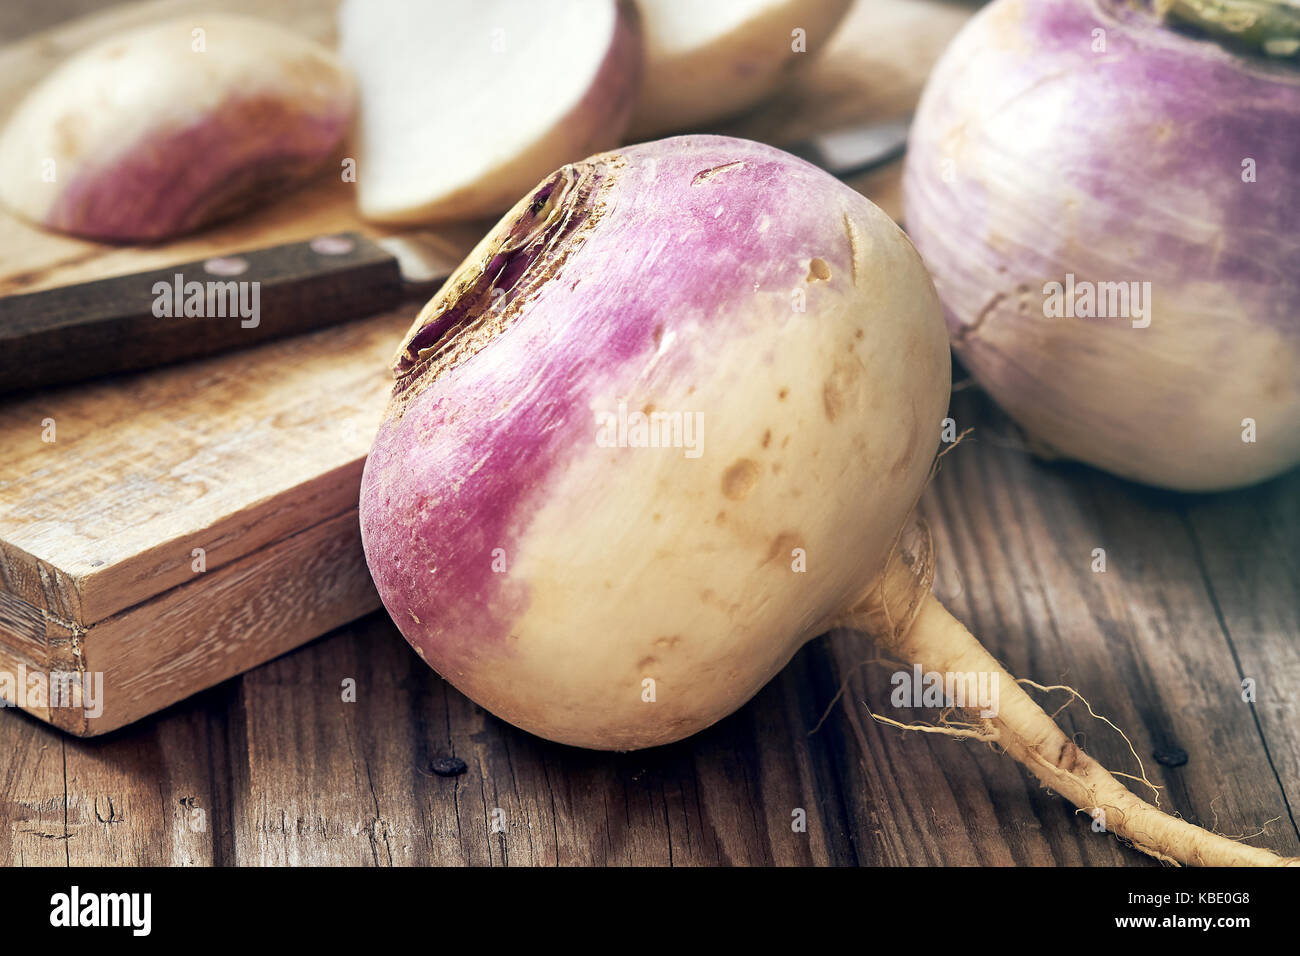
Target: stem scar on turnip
x,y
624,284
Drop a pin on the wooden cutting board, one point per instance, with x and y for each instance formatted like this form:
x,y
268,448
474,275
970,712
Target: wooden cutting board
x,y
170,529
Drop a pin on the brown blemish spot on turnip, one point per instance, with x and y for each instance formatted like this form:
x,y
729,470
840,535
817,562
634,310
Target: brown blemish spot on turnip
x,y
656,517
739,480
646,662
767,438
671,641
818,270
782,544
658,335
782,394
844,373
785,441
704,175
721,518
648,408
832,400
776,468
899,468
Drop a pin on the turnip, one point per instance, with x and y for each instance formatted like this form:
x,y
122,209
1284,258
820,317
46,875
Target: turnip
x,y
1108,207
466,105
666,424
709,61
162,129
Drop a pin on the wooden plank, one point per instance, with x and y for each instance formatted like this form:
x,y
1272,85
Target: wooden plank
x,y
154,798
33,793
227,455
150,798
195,636
1248,547
329,782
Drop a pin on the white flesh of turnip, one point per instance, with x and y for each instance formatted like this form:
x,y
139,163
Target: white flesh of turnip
x,y
466,105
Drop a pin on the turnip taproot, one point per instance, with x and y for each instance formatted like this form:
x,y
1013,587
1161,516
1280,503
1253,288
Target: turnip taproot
x,y
665,425
162,129
709,61
466,105
1108,207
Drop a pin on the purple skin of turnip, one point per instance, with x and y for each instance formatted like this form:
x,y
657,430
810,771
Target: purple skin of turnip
x,y
156,132
1083,143
618,593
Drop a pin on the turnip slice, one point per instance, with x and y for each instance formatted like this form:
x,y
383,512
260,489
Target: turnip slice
x,y
666,424
164,128
708,61
466,105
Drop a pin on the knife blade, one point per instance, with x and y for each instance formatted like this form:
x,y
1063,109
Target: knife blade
x,y
852,150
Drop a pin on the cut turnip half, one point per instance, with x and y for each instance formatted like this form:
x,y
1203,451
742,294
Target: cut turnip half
x,y
165,128
464,106
708,61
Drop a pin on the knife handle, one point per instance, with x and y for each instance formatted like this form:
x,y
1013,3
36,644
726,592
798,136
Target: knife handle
x,y
184,311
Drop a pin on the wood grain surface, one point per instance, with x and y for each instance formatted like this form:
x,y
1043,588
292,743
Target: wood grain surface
x,y
274,767
1200,592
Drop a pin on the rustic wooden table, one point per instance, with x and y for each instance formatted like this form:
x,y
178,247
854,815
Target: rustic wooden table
x,y
1200,592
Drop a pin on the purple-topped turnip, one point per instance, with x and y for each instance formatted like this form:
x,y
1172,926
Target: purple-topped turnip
x,y
1109,206
666,424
